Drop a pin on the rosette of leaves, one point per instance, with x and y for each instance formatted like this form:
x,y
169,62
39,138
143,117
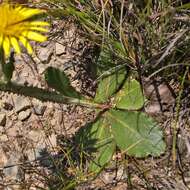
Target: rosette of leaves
x,y
120,123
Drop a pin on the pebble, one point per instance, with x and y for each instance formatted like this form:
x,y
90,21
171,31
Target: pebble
x,y
153,108
53,122
45,54
59,49
109,177
158,92
23,115
12,131
39,108
2,119
3,138
11,169
17,79
21,104
41,68
34,135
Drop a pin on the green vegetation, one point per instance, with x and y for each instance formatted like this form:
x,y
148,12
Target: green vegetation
x,y
133,40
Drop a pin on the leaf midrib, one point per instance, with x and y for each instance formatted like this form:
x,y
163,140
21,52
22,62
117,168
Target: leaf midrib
x,y
131,129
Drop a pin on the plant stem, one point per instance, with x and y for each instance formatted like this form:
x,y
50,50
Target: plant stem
x,y
45,95
2,62
176,122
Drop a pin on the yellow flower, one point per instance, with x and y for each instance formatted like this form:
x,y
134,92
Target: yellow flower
x,y
17,25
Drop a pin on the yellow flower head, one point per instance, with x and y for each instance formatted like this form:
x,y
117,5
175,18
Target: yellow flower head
x,y
17,25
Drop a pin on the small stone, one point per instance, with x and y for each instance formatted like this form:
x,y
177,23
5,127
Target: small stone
x,y
12,131
11,168
45,54
23,115
60,118
17,79
53,122
35,136
2,119
157,91
153,108
3,138
39,109
41,68
25,73
108,177
59,49
21,104
9,123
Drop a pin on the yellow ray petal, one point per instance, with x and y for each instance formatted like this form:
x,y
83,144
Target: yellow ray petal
x,y
26,44
39,23
6,46
40,29
15,44
27,12
3,17
34,36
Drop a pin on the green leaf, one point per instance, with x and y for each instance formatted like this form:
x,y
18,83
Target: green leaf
x,y
105,61
97,140
184,6
59,81
109,85
119,48
135,133
130,96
